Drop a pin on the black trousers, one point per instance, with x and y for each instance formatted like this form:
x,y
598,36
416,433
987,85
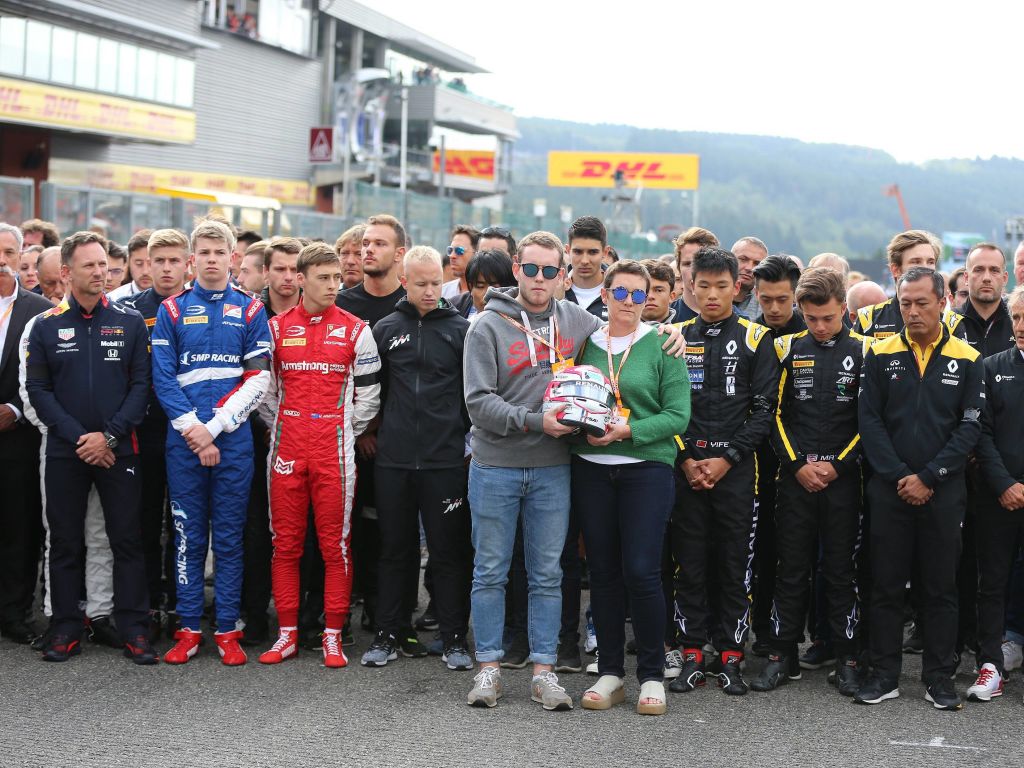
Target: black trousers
x,y
967,573
713,542
1000,533
834,515
67,482
258,542
155,514
933,531
766,552
439,497
572,577
624,513
21,521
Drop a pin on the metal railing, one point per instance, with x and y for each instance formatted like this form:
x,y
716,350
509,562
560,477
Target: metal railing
x,y
17,199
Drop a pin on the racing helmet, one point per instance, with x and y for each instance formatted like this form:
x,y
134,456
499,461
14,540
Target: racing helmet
x,y
588,395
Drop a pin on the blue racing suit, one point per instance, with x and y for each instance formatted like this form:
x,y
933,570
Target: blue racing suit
x,y
211,366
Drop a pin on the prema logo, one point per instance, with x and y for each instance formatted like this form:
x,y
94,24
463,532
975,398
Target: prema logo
x,y
283,467
636,169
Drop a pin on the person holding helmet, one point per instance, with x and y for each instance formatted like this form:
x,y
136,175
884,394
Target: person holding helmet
x,y
622,484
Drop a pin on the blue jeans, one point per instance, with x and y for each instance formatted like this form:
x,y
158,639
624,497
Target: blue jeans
x,y
498,497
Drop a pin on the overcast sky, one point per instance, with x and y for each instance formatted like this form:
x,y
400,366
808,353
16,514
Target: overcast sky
x,y
920,80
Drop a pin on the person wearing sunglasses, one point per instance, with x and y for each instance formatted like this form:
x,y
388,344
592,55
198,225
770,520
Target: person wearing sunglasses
x,y
460,252
490,268
623,487
520,469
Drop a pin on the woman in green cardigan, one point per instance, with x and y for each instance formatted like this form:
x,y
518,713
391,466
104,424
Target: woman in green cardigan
x,y
623,489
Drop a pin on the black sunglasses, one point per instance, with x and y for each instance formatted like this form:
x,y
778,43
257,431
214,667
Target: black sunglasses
x,y
531,270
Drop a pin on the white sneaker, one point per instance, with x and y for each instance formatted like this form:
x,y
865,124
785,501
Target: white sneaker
x,y
673,664
592,666
988,685
590,644
1013,655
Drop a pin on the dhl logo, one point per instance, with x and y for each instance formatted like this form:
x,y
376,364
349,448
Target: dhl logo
x,y
459,162
636,169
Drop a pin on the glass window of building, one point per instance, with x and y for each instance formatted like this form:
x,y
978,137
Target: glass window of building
x,y
184,82
165,71
106,78
12,51
127,63
62,65
146,76
86,61
37,50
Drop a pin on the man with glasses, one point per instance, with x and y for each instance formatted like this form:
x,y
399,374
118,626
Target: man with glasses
x,y
461,250
519,467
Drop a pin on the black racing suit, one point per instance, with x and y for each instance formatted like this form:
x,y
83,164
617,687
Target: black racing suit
x,y
734,375
1000,532
988,337
924,425
765,551
816,420
155,511
420,465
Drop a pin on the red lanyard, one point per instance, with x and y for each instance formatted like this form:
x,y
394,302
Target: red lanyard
x,y
532,336
614,378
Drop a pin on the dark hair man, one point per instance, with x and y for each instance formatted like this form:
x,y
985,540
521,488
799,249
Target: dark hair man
x,y
140,269
21,511
86,370
588,243
461,251
734,377
819,487
920,416
498,238
325,374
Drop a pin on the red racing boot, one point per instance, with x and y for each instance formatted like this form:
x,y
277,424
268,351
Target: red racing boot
x,y
334,656
231,653
286,647
185,648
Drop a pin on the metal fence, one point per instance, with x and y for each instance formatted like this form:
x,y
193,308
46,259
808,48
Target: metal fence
x,y
429,219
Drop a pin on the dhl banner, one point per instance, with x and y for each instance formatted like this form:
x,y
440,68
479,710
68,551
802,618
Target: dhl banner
x,y
133,178
639,169
38,104
478,164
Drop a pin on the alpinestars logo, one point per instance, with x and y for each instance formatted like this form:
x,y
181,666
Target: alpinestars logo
x,y
450,505
398,341
283,467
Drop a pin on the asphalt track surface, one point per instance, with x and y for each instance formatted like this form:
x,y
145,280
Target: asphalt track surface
x,y
101,710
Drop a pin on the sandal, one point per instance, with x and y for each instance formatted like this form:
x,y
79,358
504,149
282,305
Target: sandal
x,y
604,694
652,698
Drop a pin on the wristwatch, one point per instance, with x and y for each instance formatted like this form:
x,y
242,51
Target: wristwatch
x,y
111,440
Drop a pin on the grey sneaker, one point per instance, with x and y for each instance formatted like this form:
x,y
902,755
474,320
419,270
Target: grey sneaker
x,y
545,690
487,688
383,649
673,664
456,656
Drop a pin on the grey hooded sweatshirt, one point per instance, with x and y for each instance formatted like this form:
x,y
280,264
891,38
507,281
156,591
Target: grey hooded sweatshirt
x,y
505,390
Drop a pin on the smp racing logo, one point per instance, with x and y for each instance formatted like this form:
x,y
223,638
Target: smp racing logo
x,y
397,341
180,560
450,505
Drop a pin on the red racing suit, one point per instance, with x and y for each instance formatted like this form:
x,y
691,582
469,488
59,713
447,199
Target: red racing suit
x,y
323,395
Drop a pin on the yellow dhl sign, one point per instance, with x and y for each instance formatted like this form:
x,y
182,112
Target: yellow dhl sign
x,y
135,178
31,103
638,169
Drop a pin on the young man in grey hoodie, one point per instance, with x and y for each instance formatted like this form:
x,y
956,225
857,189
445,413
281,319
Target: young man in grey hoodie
x,y
519,466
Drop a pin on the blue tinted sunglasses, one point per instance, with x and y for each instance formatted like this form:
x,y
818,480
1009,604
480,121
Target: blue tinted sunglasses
x,y
620,293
